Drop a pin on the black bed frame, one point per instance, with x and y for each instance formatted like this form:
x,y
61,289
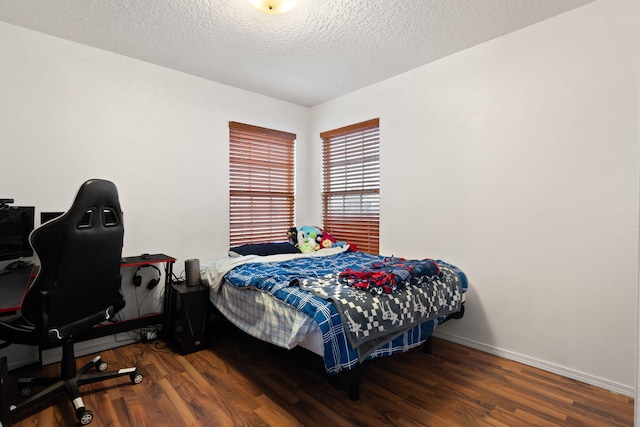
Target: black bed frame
x,y
350,379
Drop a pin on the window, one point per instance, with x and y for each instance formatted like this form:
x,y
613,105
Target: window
x,y
351,184
261,184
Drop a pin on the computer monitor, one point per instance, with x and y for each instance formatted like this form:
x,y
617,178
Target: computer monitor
x,y
48,216
16,223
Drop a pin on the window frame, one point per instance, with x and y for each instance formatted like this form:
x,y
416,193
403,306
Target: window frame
x,y
351,184
261,184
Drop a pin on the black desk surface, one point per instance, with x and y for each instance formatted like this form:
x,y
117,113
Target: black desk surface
x,y
14,283
12,287
133,261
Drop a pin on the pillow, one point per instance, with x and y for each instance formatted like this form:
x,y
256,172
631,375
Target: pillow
x,y
263,249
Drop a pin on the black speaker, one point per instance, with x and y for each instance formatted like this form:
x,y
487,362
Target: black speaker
x,y
189,318
153,282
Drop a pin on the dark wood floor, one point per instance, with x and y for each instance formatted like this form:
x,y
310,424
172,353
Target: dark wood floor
x,y
241,381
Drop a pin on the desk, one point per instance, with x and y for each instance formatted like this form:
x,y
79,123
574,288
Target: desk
x,y
12,288
14,284
110,328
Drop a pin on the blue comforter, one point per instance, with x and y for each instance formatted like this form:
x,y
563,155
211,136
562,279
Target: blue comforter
x,y
281,278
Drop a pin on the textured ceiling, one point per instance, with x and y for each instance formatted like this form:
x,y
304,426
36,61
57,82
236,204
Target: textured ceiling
x,y
320,50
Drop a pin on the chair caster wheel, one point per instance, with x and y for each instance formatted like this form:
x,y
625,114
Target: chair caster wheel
x,y
26,391
136,378
84,416
99,364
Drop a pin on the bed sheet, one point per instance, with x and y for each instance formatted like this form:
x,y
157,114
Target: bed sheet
x,y
263,316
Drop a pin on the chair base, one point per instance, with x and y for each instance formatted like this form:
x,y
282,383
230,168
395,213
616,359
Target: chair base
x,y
69,381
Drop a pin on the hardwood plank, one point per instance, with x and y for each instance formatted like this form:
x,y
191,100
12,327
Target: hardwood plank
x,y
274,414
242,381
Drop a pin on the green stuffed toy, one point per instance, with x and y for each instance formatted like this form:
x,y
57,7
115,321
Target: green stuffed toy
x,y
309,238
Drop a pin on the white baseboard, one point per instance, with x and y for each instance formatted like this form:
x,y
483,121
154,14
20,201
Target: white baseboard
x,y
541,364
82,348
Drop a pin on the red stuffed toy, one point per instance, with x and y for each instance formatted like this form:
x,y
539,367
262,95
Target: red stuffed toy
x,y
327,240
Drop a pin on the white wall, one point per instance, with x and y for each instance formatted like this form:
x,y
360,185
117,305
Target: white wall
x,y
70,112
637,395
517,160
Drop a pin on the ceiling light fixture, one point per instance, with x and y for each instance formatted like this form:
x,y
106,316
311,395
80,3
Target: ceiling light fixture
x,y
273,6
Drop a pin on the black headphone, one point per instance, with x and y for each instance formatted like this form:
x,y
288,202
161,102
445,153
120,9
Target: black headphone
x,y
137,276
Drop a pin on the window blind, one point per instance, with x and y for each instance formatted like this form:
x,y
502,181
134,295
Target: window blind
x,y
351,184
261,184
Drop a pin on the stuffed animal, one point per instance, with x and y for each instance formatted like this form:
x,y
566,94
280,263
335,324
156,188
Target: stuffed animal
x,y
309,238
292,236
327,240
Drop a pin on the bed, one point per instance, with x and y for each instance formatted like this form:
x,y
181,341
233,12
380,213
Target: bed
x,y
345,306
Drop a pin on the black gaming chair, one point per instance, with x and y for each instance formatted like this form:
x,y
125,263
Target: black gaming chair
x,y
77,287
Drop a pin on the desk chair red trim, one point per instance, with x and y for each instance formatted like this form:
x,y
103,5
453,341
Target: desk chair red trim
x,y
77,287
